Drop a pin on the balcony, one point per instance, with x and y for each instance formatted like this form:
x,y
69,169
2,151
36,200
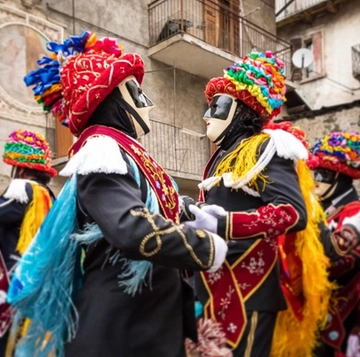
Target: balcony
x,y
290,11
181,152
355,56
203,37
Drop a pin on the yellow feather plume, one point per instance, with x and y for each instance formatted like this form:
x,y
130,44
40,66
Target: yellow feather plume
x,y
294,338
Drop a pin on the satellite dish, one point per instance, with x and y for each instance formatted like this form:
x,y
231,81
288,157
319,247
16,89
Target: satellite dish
x,y
302,58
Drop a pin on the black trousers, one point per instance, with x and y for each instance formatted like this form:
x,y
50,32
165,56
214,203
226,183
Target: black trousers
x,y
3,343
258,334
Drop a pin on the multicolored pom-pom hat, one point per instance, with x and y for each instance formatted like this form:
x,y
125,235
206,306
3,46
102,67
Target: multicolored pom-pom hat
x,y
28,149
78,76
258,80
338,152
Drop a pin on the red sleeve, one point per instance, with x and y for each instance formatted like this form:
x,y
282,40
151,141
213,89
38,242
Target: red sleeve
x,y
267,221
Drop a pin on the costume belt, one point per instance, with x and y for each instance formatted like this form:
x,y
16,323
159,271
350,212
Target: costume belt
x,y
158,179
345,301
231,285
5,309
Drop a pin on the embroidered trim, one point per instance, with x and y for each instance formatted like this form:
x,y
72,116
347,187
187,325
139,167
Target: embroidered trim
x,y
251,336
344,240
158,233
268,221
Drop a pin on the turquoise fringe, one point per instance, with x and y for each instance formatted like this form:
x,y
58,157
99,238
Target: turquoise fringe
x,y
42,286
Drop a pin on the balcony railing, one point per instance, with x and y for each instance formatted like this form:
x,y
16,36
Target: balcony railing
x,y
214,24
294,7
176,150
355,55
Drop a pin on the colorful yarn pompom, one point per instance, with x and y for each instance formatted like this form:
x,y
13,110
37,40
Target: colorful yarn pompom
x,y
79,74
258,80
338,152
28,149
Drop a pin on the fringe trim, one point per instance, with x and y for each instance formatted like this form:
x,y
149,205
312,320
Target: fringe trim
x,y
17,190
99,154
287,145
299,338
243,170
34,216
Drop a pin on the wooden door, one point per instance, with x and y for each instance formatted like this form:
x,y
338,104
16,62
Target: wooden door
x,y
63,139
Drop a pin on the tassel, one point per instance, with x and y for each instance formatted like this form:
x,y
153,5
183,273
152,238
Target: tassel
x,y
34,216
212,341
42,285
245,167
134,276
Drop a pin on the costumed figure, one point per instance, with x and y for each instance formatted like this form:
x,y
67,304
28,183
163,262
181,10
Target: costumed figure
x,y
121,208
335,160
255,196
23,207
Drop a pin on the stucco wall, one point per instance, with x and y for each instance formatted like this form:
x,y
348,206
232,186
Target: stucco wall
x,y
321,125
264,17
339,32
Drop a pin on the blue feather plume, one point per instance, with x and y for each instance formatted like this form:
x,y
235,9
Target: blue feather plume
x,y
42,285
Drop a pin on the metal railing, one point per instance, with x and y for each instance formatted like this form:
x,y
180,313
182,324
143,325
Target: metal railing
x,y
214,24
294,7
176,150
355,55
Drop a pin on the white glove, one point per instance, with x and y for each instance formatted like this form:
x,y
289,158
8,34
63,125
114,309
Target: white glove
x,y
221,249
203,220
354,221
214,210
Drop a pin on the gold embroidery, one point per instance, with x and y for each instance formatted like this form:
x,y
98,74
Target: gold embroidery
x,y
158,176
251,335
200,234
158,233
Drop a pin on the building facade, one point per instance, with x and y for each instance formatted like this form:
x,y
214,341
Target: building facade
x,y
326,94
184,43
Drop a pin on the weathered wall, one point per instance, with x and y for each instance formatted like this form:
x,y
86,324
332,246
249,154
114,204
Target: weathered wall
x,y
264,17
321,125
339,32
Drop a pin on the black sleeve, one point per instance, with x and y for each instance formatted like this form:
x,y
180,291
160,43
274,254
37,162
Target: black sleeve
x,y
326,241
12,211
114,202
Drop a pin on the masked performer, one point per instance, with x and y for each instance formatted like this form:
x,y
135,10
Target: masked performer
x,y
23,206
122,208
336,163
256,187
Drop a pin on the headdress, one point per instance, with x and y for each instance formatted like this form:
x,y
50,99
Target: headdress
x,y
78,76
258,80
28,149
338,152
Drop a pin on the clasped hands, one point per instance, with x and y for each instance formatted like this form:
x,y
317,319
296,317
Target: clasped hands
x,y
206,217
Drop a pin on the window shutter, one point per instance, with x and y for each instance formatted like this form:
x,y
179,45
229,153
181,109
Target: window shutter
x,y
317,52
296,73
63,139
211,22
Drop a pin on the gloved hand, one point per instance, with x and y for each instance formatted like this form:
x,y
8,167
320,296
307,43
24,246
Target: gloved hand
x,y
221,249
204,220
185,214
214,210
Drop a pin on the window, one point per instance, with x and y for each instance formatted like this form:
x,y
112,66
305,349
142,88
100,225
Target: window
x,y
310,70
